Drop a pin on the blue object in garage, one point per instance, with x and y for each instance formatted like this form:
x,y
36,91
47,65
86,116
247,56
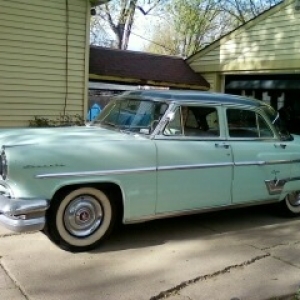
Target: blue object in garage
x,y
93,112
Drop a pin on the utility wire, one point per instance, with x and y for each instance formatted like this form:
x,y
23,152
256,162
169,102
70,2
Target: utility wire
x,y
142,37
151,41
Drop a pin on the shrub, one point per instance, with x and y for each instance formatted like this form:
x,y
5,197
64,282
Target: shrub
x,y
62,120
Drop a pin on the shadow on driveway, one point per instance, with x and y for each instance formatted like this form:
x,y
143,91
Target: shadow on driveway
x,y
192,227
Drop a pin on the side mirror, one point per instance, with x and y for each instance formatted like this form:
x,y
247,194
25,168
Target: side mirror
x,y
170,116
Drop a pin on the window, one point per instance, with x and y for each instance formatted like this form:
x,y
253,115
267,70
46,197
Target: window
x,y
132,115
247,124
194,121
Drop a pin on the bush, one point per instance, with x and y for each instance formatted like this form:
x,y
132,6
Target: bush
x,y
62,120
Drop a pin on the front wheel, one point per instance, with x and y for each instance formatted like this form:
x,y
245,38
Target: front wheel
x,y
290,206
81,219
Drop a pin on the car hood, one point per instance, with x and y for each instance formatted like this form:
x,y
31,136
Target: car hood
x,y
73,134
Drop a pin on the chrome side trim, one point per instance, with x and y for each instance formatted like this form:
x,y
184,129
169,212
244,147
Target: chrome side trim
x,y
282,162
163,168
132,171
266,163
194,167
96,173
196,211
250,163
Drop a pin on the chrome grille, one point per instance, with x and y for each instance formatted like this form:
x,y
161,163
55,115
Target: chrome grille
x,y
3,164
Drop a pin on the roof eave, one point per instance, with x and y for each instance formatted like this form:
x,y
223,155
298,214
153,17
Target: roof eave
x,y
173,85
98,2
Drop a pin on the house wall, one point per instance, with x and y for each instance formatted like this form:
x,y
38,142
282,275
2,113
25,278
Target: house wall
x,y
43,59
214,79
268,44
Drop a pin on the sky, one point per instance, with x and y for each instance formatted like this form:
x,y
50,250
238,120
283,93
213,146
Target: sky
x,y
136,43
141,34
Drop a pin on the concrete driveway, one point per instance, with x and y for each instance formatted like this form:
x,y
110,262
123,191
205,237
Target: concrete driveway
x,y
241,254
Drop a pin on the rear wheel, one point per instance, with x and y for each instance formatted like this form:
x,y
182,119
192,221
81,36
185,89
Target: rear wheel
x,y
81,219
290,206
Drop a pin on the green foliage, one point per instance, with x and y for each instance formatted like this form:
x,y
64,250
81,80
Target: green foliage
x,y
297,296
193,24
190,23
242,11
62,120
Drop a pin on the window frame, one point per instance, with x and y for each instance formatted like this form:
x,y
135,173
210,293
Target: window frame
x,y
258,113
178,106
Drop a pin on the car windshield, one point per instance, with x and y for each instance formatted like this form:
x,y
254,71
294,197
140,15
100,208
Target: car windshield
x,y
278,123
139,116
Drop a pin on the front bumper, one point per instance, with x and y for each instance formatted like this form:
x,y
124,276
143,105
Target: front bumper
x,y
23,215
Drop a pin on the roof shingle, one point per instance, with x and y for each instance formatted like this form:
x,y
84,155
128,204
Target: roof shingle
x,y
143,68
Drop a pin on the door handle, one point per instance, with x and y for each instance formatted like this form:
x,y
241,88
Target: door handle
x,y
280,145
222,145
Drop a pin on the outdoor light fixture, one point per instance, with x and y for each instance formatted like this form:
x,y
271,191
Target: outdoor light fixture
x,y
93,12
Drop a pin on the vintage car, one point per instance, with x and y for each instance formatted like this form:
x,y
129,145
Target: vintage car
x,y
149,155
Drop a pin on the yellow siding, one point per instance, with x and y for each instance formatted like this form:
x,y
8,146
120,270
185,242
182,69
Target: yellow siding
x,y
42,59
272,43
212,80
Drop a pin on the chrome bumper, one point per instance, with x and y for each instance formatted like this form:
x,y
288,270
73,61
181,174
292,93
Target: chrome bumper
x,y
23,215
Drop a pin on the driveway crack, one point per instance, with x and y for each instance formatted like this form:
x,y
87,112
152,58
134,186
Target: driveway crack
x,y
288,244
7,235
285,261
17,286
281,245
184,284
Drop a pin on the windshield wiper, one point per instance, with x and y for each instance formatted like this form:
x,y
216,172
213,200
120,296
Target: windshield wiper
x,y
108,123
276,118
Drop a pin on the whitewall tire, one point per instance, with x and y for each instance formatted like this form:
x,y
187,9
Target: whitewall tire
x,y
80,219
291,204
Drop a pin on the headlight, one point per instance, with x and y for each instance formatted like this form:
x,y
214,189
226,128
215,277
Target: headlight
x,y
3,164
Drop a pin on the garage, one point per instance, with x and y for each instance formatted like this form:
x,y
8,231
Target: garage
x,y
260,59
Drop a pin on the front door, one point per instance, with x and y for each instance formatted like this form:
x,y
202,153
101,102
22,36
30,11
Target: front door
x,y
194,162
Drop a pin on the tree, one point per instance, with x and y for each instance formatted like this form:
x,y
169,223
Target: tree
x,y
163,40
196,23
119,16
190,24
241,11
98,35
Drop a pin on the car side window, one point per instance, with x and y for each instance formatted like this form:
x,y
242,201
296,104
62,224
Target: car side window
x,y
174,127
194,121
247,124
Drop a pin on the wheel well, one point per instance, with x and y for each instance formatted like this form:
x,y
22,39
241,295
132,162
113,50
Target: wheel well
x,y
112,190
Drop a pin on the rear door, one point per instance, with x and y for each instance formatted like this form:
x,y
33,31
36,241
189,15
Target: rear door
x,y
259,157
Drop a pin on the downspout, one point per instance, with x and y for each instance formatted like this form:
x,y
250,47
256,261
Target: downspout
x,y
87,59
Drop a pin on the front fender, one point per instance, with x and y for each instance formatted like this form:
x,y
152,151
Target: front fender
x,y
129,164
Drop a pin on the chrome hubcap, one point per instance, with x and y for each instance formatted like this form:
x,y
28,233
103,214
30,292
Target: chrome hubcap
x,y
83,216
294,199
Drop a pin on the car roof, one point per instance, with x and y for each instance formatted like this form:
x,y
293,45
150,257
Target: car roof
x,y
182,96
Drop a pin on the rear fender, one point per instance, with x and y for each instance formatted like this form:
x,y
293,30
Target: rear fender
x,y
291,186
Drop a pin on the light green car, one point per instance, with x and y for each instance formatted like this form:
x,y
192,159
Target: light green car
x,y
149,155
